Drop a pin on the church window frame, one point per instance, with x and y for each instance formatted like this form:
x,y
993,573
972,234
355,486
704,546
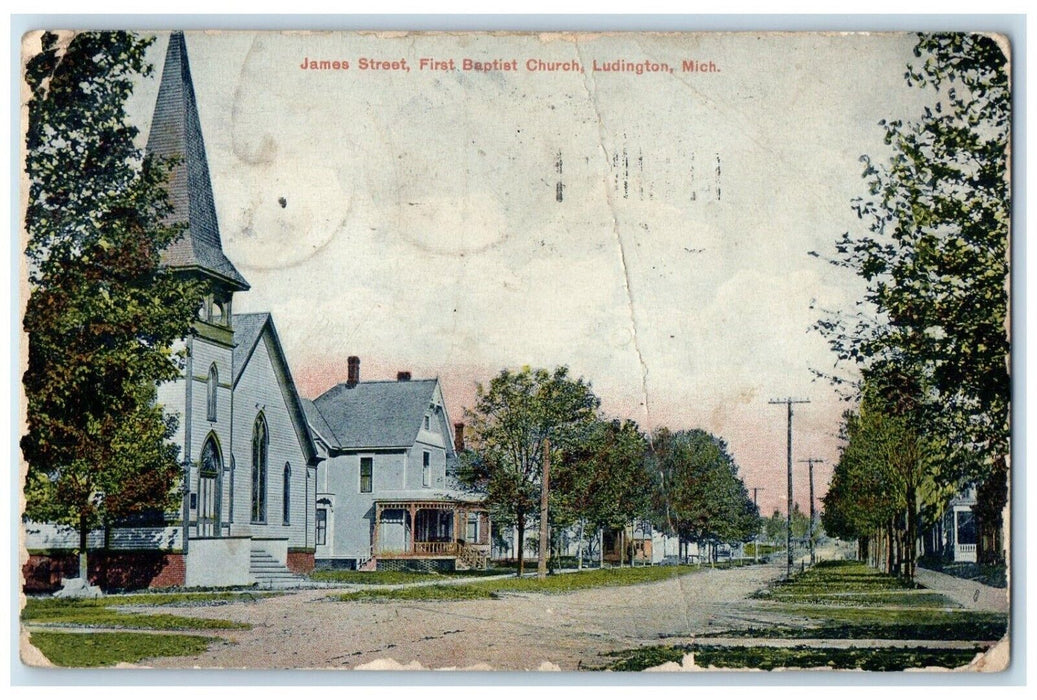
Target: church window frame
x,y
211,389
286,495
260,456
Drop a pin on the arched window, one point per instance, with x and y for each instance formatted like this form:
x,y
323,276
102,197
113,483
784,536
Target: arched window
x,y
260,444
214,380
286,494
209,481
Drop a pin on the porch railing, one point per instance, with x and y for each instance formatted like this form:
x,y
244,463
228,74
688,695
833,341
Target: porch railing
x,y
440,548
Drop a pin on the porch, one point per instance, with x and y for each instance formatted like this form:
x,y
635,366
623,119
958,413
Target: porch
x,y
414,529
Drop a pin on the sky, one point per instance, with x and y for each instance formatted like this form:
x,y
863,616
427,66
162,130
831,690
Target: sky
x,y
650,231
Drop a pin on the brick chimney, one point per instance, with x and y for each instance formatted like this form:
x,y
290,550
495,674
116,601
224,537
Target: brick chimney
x,y
354,371
459,437
403,376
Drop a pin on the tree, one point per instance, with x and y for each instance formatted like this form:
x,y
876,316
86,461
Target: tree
x,y
601,480
103,314
887,471
511,419
700,494
935,261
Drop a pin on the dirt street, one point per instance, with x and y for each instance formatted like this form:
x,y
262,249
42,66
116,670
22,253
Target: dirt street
x,y
520,631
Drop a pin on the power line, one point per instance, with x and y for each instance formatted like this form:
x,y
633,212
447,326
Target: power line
x,y
788,517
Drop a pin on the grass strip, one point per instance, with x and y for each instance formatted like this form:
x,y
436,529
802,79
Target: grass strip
x,y
434,592
949,630
592,578
110,648
97,612
885,600
553,584
382,578
770,658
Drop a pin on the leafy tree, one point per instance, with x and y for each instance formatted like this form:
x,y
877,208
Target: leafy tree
x,y
935,261
511,419
700,494
601,480
886,472
102,314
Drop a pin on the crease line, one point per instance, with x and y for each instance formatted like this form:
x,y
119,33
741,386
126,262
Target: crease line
x,y
588,88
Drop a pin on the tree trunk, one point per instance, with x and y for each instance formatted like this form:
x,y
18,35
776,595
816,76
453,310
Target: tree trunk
x,y
520,523
889,549
84,572
912,531
579,550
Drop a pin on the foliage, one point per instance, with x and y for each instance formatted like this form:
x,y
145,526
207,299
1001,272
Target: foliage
x,y
110,648
389,578
511,420
602,479
886,472
935,260
699,494
103,314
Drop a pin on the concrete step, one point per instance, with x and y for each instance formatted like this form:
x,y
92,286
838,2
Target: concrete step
x,y
270,573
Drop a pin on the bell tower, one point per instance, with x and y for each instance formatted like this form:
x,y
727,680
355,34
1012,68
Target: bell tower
x,y
176,133
205,397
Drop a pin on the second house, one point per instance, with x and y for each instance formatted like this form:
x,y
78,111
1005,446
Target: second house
x,y
387,495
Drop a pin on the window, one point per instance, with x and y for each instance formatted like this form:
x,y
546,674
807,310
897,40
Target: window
x,y
366,473
472,533
428,422
322,526
286,494
260,445
426,469
214,380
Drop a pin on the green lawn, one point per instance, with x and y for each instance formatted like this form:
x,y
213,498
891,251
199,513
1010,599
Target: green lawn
x,y
100,612
769,658
109,648
841,600
553,584
383,578
434,592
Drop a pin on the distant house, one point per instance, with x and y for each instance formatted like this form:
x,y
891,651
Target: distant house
x,y
386,493
959,527
247,514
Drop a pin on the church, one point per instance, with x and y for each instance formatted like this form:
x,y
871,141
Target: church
x,y
248,509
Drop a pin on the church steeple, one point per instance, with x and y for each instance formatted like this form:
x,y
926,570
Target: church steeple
x,y
177,132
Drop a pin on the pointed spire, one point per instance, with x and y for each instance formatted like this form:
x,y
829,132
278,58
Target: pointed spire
x,y
176,132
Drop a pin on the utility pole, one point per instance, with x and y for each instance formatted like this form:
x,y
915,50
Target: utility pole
x,y
811,462
756,549
544,486
788,517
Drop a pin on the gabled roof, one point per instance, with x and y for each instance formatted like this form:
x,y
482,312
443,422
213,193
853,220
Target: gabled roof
x,y
317,422
248,331
176,132
376,414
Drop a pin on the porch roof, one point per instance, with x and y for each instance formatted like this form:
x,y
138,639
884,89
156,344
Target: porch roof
x,y
428,503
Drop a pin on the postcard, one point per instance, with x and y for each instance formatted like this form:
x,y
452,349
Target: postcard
x,y
516,351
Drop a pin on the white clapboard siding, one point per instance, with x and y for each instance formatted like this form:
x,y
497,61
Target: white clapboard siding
x,y
262,387
45,536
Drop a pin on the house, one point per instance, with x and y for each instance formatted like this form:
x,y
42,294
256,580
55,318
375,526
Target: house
x,y
958,527
247,513
386,492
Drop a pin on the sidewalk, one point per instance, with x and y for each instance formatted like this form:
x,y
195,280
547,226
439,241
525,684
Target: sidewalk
x,y
970,594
